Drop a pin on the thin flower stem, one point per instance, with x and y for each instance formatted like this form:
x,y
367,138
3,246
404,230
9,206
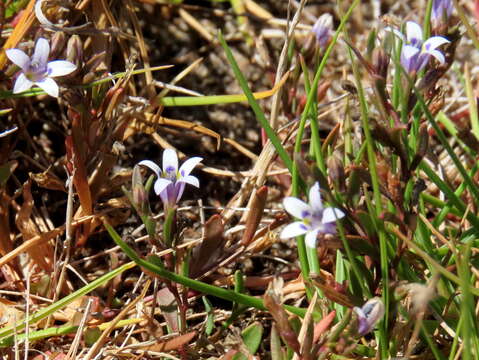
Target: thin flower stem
x,y
167,228
155,265
302,253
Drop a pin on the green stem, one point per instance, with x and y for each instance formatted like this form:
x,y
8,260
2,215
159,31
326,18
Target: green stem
x,y
202,287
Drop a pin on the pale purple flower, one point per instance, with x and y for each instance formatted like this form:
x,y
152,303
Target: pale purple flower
x,y
416,53
441,10
171,181
369,314
314,218
37,70
323,29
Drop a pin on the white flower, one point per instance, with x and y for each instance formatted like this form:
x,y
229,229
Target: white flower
x,y
171,180
314,218
36,70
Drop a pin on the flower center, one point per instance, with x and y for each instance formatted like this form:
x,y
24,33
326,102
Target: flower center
x,y
36,71
170,173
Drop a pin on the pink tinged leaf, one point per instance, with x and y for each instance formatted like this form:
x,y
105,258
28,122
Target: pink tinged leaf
x,y
41,53
413,32
190,179
321,327
19,58
295,229
332,214
170,161
297,208
161,184
310,238
49,86
155,168
189,165
22,84
60,68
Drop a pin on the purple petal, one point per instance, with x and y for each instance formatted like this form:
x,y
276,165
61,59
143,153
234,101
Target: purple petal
x,y
413,32
148,163
294,229
409,57
49,86
22,84
180,188
170,162
190,179
188,166
310,238
19,58
315,197
60,68
161,184
296,207
41,53
331,214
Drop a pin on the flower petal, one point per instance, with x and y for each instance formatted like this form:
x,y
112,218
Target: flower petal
x,y
413,32
409,57
19,58
60,68
310,238
22,84
188,166
49,86
315,197
294,229
41,53
434,42
297,208
438,55
170,161
161,184
148,163
331,214
190,179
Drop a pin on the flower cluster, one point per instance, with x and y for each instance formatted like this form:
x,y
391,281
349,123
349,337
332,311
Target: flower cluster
x,y
314,218
171,181
416,53
36,70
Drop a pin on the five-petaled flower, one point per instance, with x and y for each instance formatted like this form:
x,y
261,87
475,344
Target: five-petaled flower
x,y
36,70
323,29
416,53
171,181
369,314
314,218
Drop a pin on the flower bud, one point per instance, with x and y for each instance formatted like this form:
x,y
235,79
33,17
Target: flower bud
x,y
57,44
323,29
368,315
75,50
139,195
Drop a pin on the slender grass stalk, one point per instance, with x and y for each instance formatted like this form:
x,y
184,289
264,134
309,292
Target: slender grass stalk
x,y
60,304
157,268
